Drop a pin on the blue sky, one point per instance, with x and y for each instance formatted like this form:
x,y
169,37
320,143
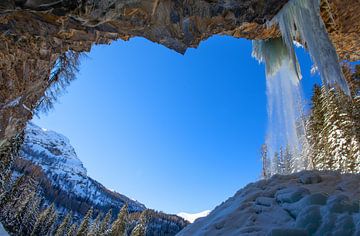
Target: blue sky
x,y
175,132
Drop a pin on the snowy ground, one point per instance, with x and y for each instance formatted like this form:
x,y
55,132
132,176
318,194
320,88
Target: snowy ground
x,y
3,231
192,217
306,203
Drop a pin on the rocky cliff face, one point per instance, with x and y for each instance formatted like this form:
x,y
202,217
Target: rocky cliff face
x,y
49,157
34,33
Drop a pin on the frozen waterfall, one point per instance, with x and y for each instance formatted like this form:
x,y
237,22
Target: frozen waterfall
x,y
298,20
286,126
301,20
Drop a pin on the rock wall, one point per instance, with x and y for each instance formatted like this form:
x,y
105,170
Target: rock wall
x,y
33,33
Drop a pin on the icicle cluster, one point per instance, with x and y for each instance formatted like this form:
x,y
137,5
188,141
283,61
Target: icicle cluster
x,y
301,20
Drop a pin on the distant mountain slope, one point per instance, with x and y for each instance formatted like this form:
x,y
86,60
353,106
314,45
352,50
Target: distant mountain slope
x,y
62,176
302,204
49,157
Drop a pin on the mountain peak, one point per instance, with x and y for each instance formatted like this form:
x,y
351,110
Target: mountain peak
x,y
65,174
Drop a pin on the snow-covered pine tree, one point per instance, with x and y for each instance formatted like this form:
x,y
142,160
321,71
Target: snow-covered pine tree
x,y
339,135
356,100
9,199
45,221
85,224
21,214
331,134
349,127
105,224
8,152
72,230
275,164
31,215
95,226
119,226
281,162
265,173
64,226
353,78
288,161
139,230
315,126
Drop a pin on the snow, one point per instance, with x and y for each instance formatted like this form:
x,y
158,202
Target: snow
x,y
13,103
3,231
285,205
191,217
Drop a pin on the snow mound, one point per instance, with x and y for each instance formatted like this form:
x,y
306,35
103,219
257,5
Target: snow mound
x,y
192,217
305,203
3,231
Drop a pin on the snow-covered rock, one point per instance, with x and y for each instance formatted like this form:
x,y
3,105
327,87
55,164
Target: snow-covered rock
x,y
3,231
191,217
65,173
305,203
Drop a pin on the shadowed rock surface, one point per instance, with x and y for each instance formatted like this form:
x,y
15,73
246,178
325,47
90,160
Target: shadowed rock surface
x,y
35,33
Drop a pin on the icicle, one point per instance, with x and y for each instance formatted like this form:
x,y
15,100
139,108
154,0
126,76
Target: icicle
x,y
285,102
300,19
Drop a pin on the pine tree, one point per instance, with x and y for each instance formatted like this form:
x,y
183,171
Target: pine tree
x,y
9,150
315,126
31,215
349,128
288,161
120,224
140,228
72,230
11,195
18,209
64,226
85,224
104,226
45,221
95,226
21,212
338,135
275,164
14,203
281,166
265,173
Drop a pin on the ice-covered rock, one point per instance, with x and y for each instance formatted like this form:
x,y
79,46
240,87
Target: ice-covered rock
x,y
305,203
291,194
309,178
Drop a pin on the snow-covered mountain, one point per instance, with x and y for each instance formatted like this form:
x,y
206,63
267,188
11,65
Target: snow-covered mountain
x,y
303,204
191,217
62,176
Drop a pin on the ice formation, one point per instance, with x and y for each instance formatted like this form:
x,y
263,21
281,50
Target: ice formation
x,y
286,127
301,20
298,20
